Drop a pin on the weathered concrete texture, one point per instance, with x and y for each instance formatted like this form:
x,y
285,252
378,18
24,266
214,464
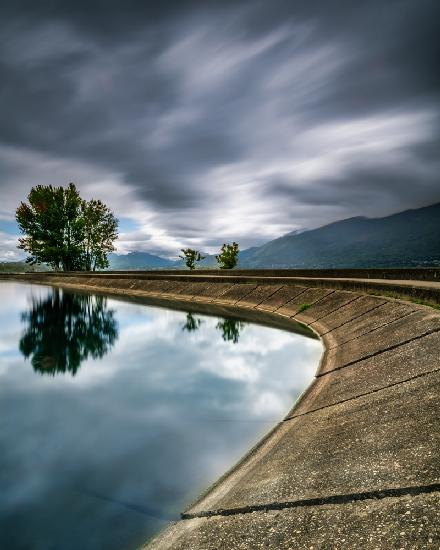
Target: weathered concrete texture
x,y
209,290
327,305
307,297
184,290
258,295
387,336
390,367
235,293
384,314
345,314
281,297
385,440
156,286
408,522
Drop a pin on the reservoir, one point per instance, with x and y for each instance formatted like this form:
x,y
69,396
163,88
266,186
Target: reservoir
x,y
114,415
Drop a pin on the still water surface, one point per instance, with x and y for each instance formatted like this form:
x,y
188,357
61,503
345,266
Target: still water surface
x,y
114,415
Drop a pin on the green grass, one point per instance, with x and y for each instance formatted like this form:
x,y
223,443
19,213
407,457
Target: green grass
x,y
303,307
423,303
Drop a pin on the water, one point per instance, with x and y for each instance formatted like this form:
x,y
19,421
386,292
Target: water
x,y
114,415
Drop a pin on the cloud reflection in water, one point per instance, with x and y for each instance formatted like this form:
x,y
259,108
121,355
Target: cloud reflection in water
x,y
103,458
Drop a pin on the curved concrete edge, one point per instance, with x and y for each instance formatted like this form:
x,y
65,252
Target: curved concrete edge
x,y
359,443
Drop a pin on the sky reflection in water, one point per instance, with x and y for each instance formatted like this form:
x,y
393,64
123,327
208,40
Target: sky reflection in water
x,y
114,416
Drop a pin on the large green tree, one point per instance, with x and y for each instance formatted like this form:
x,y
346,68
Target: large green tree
x,y
65,231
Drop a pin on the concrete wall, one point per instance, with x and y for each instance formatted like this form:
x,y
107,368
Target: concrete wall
x,y
355,464
416,274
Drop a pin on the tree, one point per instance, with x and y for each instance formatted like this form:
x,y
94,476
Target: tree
x,y
100,230
190,257
65,231
228,257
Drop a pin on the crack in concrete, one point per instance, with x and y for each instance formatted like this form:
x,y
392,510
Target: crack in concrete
x,y
209,299
379,352
361,395
377,327
241,298
351,318
291,300
333,310
267,297
319,501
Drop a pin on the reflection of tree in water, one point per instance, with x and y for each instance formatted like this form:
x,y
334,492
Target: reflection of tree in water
x,y
230,329
192,323
65,329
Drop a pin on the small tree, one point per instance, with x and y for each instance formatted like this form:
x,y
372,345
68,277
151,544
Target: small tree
x,y
100,230
190,257
228,257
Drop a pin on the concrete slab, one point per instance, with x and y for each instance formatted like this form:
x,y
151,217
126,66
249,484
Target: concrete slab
x,y
183,290
385,337
380,316
326,305
258,295
347,313
124,284
189,290
93,281
391,367
147,285
309,296
210,290
410,522
382,441
235,293
285,294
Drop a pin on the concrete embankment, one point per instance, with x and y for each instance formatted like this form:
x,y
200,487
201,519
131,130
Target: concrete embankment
x,y
355,464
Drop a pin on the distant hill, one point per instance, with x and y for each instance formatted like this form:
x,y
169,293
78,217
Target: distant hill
x,y
138,260
407,239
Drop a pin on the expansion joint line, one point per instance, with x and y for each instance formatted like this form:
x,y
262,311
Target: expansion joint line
x,y
244,296
362,394
353,318
332,499
267,297
379,352
291,300
377,327
333,310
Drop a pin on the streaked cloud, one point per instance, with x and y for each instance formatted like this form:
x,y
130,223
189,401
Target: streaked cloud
x,y
209,121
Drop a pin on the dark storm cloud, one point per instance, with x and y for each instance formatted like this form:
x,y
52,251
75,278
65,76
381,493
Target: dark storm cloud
x,y
204,121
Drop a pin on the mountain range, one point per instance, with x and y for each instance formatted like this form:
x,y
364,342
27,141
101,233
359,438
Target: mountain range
x,y
139,260
406,239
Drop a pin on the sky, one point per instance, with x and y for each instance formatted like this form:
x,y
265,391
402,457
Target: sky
x,y
202,122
